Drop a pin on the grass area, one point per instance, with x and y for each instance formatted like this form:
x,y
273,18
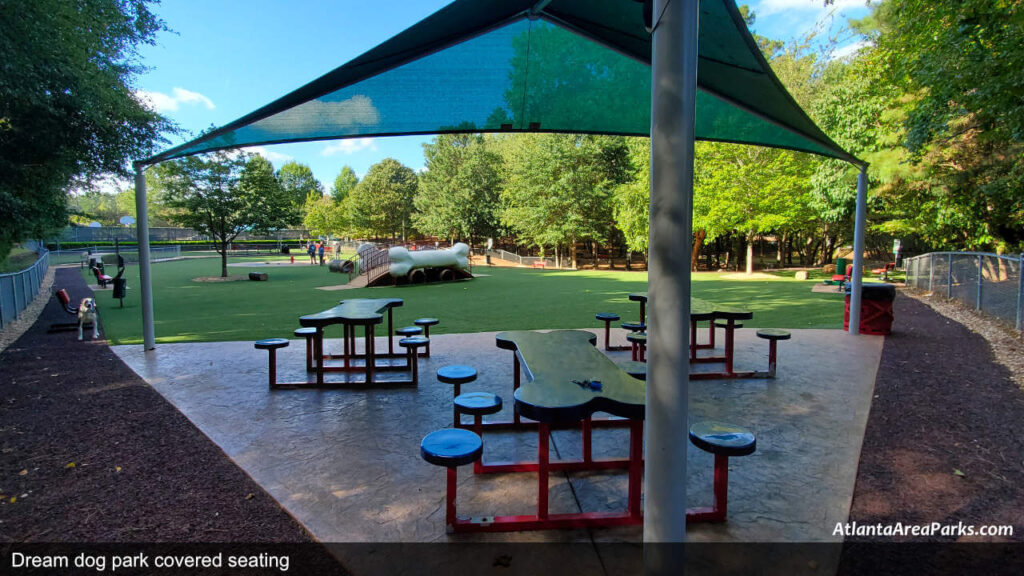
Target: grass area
x,y
505,299
17,260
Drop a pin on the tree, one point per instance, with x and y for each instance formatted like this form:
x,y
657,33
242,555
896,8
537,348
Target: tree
x,y
269,204
217,196
631,201
298,181
557,187
324,216
344,183
382,203
458,195
67,109
957,69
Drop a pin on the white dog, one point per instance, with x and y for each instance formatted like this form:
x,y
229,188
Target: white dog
x,y
87,313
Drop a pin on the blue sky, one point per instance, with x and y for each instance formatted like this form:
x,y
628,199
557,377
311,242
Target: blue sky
x,y
226,58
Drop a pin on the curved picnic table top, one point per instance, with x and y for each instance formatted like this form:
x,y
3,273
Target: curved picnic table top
x,y
701,309
355,311
570,379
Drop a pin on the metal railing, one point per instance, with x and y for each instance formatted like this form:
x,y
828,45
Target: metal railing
x,y
19,289
989,283
523,260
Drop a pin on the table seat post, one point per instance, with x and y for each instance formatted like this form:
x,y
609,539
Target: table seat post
x,y
391,332
515,385
348,348
711,333
636,467
371,362
772,357
318,353
729,344
721,487
543,437
693,340
451,484
588,432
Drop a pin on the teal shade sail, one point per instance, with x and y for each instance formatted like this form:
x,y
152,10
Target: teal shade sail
x,y
514,65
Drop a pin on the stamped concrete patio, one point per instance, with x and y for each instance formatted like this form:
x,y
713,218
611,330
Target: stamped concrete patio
x,y
345,462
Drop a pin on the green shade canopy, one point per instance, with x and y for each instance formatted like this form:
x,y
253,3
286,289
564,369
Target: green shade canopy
x,y
520,65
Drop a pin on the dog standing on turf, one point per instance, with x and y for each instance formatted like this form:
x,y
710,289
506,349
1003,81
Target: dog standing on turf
x,y
87,313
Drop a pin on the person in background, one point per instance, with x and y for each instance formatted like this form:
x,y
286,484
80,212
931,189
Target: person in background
x,y
320,246
311,250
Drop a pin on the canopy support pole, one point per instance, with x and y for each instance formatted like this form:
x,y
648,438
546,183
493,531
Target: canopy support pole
x,y
145,279
673,115
856,277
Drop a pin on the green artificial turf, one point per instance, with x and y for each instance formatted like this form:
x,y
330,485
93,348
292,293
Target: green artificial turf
x,y
498,299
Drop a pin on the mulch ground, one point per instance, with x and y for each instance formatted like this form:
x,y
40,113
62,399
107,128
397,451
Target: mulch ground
x,y
91,453
943,444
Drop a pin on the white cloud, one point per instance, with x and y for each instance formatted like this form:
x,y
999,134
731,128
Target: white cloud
x,y
168,103
268,154
350,146
849,50
769,7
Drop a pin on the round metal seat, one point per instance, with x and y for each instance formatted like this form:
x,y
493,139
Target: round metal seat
x,y
634,326
478,403
451,447
637,337
426,322
725,324
271,344
305,332
409,331
607,316
456,374
773,334
635,369
723,439
413,342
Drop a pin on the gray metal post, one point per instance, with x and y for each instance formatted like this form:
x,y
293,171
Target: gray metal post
x,y
981,263
856,278
145,279
931,271
673,115
949,276
1020,291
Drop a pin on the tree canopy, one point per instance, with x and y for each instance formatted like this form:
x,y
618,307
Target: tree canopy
x,y
67,109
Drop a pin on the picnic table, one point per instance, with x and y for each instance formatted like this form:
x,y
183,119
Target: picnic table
x,y
366,312
706,311
569,380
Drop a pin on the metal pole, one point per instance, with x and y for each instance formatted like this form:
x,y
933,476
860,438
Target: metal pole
x,y
949,276
858,250
981,262
145,279
931,271
1020,291
673,115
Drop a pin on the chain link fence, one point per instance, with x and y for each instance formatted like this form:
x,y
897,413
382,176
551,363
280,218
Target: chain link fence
x,y
19,289
989,283
128,234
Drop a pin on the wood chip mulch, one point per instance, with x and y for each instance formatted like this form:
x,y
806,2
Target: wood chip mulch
x,y
943,444
91,453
